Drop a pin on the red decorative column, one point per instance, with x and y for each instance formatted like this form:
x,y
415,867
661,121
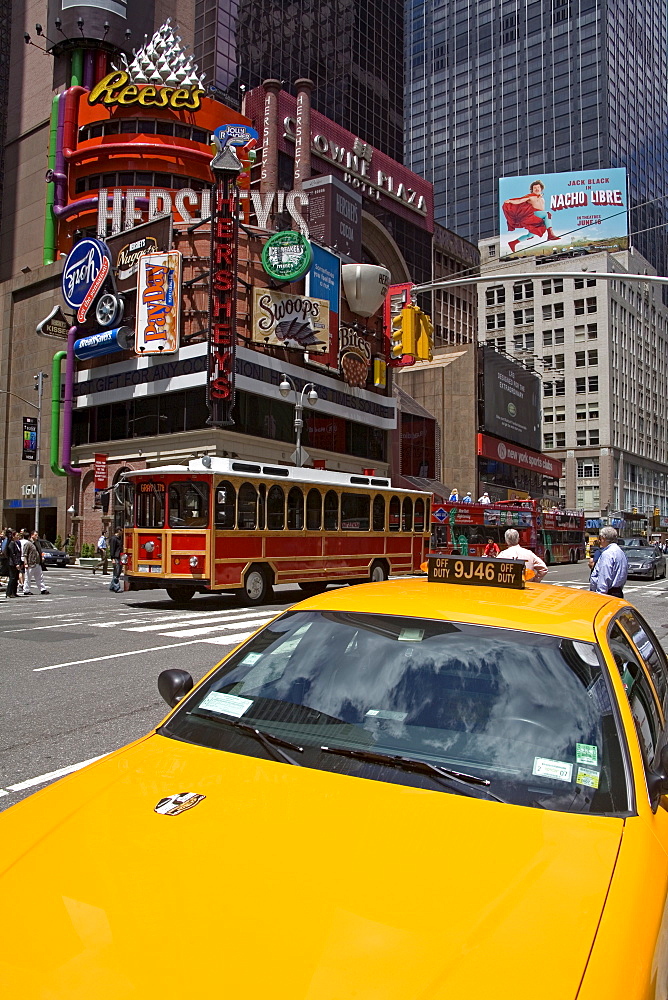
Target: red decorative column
x,y
269,175
303,133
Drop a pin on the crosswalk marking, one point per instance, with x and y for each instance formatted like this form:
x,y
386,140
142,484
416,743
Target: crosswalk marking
x,y
228,640
199,627
207,616
207,629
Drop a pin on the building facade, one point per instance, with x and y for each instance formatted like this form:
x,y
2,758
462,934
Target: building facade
x,y
496,89
601,350
352,52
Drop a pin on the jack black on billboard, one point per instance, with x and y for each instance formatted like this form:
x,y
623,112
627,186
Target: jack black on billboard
x,y
511,400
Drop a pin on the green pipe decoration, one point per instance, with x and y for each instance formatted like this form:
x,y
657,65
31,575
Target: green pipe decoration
x,y
76,78
49,218
58,358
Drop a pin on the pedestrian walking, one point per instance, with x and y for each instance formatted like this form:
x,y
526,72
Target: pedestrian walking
x,y
517,551
116,551
102,554
611,568
32,559
491,549
14,564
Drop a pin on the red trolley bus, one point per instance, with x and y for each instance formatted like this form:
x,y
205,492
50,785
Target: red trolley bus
x,y
220,524
555,535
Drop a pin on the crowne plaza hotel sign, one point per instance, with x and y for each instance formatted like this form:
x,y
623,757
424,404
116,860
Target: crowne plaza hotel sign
x,y
117,89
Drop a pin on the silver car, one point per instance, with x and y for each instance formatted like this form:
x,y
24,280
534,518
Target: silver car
x,y
648,561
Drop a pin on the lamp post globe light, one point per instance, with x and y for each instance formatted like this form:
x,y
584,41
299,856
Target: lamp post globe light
x,y
285,386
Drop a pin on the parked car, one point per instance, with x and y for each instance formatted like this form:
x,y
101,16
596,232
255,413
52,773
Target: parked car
x,y
648,561
52,555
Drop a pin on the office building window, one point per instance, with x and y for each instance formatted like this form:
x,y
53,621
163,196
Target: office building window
x,y
592,331
495,296
560,413
552,286
548,440
580,385
560,387
593,383
581,412
592,357
560,439
548,416
548,389
584,282
593,412
522,290
581,438
587,468
496,321
522,317
593,437
578,333
579,359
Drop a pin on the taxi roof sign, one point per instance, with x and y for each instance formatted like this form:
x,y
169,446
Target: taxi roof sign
x,y
476,572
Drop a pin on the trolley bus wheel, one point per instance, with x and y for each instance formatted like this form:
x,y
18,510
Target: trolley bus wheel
x,y
256,586
378,572
180,594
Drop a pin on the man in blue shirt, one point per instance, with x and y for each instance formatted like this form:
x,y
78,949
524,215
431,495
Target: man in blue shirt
x,y
611,569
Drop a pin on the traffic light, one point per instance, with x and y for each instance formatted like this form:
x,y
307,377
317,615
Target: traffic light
x,y
405,329
425,341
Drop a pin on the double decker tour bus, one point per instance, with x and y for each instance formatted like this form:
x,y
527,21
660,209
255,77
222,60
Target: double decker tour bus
x,y
556,535
219,524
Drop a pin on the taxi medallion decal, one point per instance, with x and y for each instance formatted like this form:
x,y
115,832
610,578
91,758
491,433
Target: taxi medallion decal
x,y
174,805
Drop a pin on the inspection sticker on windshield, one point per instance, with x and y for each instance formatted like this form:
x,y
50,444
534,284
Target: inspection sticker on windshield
x,y
558,769
585,753
587,777
411,635
252,658
381,713
226,704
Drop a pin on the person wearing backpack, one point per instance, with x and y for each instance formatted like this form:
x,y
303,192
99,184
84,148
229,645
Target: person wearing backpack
x,y
102,554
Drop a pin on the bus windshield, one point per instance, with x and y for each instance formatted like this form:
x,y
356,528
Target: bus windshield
x,y
188,505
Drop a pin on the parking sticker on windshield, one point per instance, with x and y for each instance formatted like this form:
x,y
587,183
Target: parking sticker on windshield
x,y
252,658
558,769
587,777
226,704
585,753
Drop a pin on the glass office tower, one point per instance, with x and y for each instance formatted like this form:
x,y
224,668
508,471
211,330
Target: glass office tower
x,y
352,51
503,87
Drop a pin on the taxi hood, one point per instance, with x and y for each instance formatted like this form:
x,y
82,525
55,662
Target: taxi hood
x,y
291,883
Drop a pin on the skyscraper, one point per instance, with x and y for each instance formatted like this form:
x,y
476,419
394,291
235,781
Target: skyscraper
x,y
353,53
505,87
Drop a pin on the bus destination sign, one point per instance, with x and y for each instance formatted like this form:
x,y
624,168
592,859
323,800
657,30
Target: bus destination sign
x,y
472,571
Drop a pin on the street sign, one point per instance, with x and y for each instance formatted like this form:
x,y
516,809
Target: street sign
x,y
85,271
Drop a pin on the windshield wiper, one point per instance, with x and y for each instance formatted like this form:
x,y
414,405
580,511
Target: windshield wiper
x,y
270,742
418,766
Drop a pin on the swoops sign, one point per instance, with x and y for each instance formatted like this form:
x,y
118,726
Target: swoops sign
x,y
85,270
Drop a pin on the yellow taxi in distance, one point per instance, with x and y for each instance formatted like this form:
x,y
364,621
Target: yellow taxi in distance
x,y
410,790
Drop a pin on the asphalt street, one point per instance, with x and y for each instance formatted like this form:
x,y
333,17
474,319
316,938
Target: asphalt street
x,y
80,665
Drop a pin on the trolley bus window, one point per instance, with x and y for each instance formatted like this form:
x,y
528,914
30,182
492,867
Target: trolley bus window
x,y
355,509
379,513
261,505
225,504
295,509
189,505
395,511
150,505
407,515
331,511
313,511
276,509
418,517
247,507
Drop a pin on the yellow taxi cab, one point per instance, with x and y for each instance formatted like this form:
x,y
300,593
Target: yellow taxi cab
x,y
423,789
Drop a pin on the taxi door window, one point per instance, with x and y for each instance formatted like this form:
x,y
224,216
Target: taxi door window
x,y
652,655
638,691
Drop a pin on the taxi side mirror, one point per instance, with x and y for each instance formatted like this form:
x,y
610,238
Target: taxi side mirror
x,y
657,779
174,685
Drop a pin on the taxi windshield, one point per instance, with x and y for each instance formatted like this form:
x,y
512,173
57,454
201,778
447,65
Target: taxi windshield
x,y
529,714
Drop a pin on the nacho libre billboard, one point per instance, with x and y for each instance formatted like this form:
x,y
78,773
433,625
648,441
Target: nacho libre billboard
x,y
136,144
543,213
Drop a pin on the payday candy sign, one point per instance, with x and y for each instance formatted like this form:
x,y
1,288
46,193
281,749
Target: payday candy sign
x,y
84,274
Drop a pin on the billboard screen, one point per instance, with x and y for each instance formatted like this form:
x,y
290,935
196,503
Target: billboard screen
x,y
511,400
540,214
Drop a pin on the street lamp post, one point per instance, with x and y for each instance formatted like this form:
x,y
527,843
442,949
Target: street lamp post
x,y
39,387
284,389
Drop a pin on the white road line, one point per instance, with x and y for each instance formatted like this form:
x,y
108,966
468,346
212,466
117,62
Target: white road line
x,y
208,629
114,656
195,617
212,620
228,640
49,776
39,628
